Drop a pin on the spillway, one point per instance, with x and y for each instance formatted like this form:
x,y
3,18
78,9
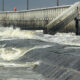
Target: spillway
x,y
32,55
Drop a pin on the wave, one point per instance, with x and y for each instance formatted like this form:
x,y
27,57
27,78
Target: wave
x,y
9,32
61,38
27,64
9,54
13,52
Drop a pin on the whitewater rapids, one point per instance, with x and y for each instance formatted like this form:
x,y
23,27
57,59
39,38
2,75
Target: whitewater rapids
x,y
25,51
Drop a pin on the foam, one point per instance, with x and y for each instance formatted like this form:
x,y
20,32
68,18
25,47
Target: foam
x,y
9,32
62,38
15,53
27,64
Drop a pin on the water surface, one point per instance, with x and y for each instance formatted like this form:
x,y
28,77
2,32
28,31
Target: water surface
x,y
32,55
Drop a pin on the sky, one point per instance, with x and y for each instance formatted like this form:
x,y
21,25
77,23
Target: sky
x,y
22,4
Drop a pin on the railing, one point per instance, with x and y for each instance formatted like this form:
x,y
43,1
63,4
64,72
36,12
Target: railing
x,y
36,17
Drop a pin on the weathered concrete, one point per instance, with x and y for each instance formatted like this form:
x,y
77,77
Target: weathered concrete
x,y
31,19
43,19
62,20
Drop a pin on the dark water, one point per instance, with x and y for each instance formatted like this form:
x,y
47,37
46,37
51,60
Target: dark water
x,y
32,55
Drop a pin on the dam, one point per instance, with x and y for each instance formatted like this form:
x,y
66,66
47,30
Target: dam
x,y
31,55
50,20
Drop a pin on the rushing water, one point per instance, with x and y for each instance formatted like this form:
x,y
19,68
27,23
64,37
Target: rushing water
x,y
21,51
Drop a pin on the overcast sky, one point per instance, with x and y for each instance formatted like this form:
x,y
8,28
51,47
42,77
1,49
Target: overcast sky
x,y
21,4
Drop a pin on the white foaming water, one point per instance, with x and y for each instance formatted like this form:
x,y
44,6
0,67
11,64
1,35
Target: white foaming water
x,y
9,32
15,53
62,38
27,64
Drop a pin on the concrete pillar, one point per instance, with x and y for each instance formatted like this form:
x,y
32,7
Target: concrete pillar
x,y
77,26
2,5
45,31
27,4
57,2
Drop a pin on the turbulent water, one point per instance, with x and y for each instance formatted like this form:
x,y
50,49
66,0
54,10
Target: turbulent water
x,y
32,55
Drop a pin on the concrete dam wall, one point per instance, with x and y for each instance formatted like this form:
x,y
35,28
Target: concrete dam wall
x,y
36,18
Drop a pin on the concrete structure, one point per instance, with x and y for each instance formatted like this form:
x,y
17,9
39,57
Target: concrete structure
x,y
63,19
41,18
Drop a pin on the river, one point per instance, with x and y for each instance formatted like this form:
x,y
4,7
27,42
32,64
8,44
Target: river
x,y
32,55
